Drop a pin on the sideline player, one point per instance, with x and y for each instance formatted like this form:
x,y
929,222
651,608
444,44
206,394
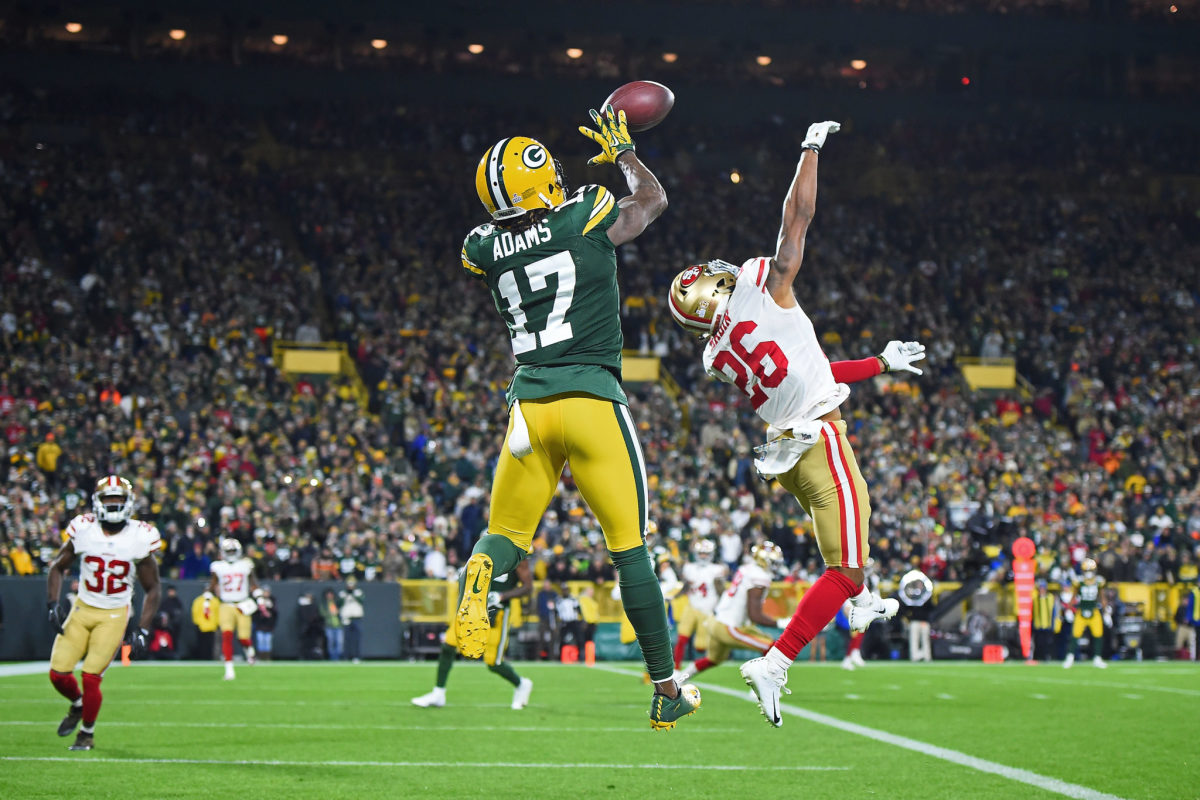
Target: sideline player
x,y
549,261
505,588
742,604
1089,618
760,340
704,581
110,545
233,581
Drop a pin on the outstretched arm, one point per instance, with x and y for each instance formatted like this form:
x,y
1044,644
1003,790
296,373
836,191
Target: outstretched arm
x,y
798,209
895,357
647,199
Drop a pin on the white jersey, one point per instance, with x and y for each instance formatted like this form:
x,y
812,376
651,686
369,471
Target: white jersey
x,y
732,608
772,354
233,579
107,561
702,584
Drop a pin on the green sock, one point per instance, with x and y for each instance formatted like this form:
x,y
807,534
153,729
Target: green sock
x,y
504,554
445,662
646,609
505,671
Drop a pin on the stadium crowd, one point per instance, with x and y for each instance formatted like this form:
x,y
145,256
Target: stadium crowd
x,y
147,269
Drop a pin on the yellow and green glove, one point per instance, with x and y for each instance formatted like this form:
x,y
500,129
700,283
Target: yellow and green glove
x,y
613,136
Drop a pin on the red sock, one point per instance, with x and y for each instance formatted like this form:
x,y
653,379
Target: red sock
x,y
680,649
816,608
244,643
91,699
855,642
227,645
66,684
702,664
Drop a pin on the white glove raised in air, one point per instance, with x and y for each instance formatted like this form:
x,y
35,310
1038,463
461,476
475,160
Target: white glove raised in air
x,y
900,355
817,132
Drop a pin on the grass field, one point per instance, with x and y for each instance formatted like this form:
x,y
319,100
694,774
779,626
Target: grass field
x,y
951,730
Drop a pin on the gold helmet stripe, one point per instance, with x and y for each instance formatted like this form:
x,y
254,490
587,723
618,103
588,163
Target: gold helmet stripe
x,y
495,177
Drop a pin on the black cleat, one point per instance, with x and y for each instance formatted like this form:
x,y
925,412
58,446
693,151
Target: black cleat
x,y
83,741
67,726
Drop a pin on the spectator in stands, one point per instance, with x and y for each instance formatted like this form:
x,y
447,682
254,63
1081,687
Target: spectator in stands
x,y
335,638
264,620
350,600
547,605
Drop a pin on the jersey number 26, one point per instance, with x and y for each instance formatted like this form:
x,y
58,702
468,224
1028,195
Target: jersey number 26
x,y
741,363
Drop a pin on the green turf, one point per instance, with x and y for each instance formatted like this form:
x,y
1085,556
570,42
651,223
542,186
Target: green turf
x,y
1128,731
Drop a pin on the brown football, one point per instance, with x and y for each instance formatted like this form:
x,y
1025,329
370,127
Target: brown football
x,y
645,103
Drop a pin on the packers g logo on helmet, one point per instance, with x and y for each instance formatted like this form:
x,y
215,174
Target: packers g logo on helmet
x,y
699,295
516,175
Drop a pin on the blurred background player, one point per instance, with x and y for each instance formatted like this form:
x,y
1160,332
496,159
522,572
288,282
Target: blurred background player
x,y
730,626
1047,622
1089,618
915,592
511,586
233,581
110,546
549,262
760,340
704,580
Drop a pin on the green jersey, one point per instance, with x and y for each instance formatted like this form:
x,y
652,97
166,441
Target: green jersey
x,y
1089,597
555,285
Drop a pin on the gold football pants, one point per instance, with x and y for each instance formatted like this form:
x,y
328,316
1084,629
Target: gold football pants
x,y
724,638
93,634
232,618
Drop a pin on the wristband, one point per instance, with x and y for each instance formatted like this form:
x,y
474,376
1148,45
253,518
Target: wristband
x,y
886,366
816,148
782,623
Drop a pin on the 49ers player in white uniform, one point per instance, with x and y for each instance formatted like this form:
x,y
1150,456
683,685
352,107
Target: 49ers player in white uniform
x,y
704,580
110,547
233,581
760,340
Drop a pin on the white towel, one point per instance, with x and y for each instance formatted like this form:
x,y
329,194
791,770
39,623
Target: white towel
x,y
518,438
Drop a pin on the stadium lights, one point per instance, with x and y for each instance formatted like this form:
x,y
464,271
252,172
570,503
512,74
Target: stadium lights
x,y
74,27
735,177
1174,9
858,63
763,61
965,81
279,40
313,482
574,52
474,49
201,522
287,479
178,34
379,44
670,58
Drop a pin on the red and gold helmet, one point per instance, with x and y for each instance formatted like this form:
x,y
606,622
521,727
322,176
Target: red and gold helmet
x,y
699,295
112,500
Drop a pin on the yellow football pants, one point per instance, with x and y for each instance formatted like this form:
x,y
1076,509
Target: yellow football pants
x,y
1094,625
93,634
599,441
231,617
829,486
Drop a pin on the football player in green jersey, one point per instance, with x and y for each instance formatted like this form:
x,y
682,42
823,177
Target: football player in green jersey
x,y
505,588
1089,616
549,261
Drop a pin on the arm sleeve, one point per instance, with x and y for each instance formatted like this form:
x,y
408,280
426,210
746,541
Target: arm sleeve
x,y
854,371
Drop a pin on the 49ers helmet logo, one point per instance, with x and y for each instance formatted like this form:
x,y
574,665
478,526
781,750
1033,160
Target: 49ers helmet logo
x,y
688,276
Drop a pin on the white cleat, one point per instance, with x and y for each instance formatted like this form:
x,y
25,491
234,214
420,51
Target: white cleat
x,y
435,699
766,680
1099,662
857,659
521,694
848,664
1069,661
862,616
229,671
250,656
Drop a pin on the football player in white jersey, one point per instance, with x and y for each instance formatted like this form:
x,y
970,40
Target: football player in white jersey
x,y
740,608
760,340
704,581
233,582
111,547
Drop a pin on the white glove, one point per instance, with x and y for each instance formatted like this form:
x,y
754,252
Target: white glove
x,y
493,600
900,355
782,623
207,595
817,132
257,593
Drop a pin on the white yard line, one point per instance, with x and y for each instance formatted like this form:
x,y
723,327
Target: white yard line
x,y
364,726
944,753
469,764
1137,687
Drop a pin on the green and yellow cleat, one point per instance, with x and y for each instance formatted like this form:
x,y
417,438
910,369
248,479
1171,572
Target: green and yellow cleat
x,y
665,712
471,625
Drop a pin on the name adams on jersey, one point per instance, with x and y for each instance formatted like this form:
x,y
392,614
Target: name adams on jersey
x,y
107,562
555,285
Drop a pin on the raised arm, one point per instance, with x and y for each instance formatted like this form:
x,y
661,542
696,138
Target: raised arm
x,y
895,357
798,209
647,199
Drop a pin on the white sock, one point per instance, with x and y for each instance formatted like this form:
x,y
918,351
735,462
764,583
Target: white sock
x,y
77,702
439,692
864,598
778,659
87,730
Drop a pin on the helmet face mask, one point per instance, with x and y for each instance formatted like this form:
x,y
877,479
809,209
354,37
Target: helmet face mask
x,y
113,501
231,549
699,294
1088,568
517,174
705,550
